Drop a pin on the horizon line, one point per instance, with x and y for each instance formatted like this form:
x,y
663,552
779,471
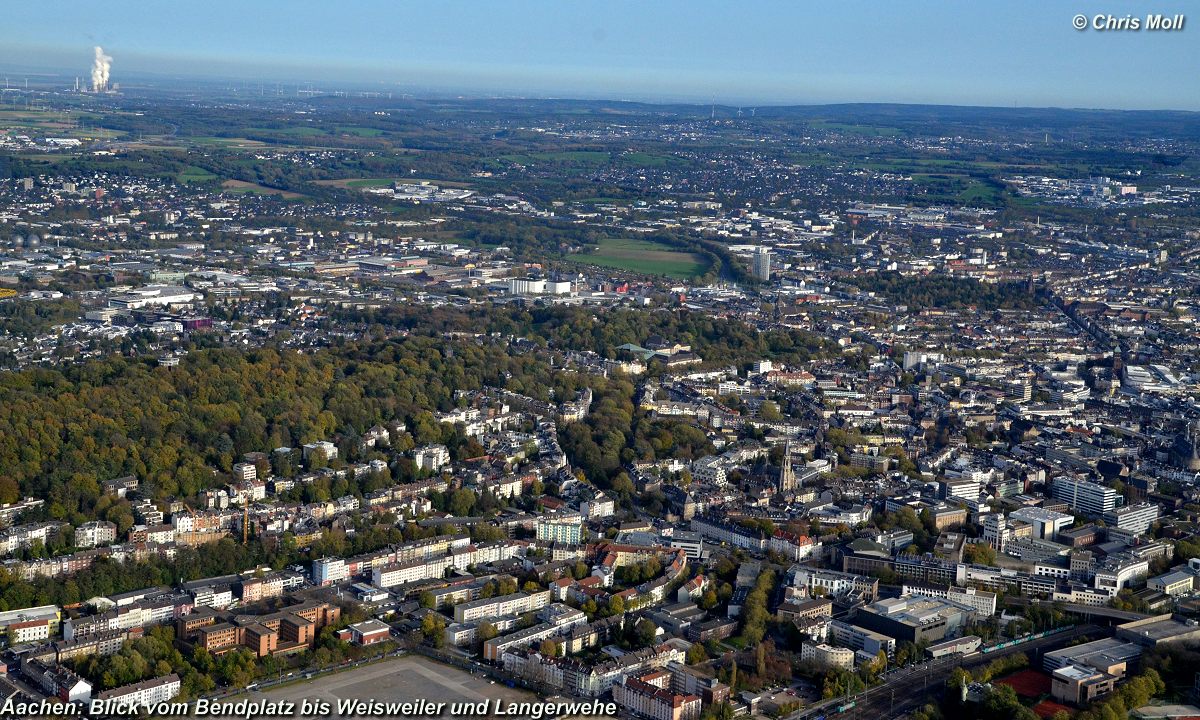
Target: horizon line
x,y
463,93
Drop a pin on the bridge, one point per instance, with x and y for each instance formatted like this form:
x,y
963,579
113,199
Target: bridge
x,y
1088,611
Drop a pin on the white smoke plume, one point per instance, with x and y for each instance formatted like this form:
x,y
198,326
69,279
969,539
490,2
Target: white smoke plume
x,y
100,68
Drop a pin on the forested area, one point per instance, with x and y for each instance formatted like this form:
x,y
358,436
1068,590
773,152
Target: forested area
x,y
66,430
946,291
179,430
28,318
718,341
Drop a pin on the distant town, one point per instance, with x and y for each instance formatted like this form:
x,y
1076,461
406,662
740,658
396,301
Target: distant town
x,y
703,412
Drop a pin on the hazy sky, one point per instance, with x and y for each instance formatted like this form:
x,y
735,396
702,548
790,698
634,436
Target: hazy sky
x,y
1006,52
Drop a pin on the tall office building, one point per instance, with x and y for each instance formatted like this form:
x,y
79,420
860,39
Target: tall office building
x,y
1084,497
762,263
1135,518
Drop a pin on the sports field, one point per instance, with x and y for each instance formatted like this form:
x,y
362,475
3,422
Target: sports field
x,y
646,257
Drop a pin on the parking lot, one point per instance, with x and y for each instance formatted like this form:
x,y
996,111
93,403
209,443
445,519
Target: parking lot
x,y
401,679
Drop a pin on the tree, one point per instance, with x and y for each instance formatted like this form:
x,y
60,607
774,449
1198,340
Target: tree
x,y
462,501
486,631
979,554
958,679
696,654
769,412
548,647
644,632
433,627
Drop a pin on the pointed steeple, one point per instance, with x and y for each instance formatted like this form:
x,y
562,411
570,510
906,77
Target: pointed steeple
x,y
787,477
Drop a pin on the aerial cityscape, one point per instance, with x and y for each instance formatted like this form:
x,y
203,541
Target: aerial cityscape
x,y
353,397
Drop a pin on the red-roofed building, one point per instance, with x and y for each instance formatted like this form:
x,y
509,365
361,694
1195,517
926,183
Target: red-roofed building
x,y
649,696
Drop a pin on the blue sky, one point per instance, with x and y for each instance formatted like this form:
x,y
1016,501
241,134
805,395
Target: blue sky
x,y
1003,53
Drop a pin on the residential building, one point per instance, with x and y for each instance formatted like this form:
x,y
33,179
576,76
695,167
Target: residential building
x,y
94,533
827,655
431,457
650,696
147,693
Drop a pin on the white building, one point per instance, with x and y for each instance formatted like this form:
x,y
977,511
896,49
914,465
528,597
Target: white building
x,y
147,693
246,472
325,446
96,532
710,470
1119,573
827,655
1083,496
329,570
560,529
761,264
1135,518
1046,523
431,457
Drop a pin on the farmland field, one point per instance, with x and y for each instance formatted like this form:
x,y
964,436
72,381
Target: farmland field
x,y
586,157
241,186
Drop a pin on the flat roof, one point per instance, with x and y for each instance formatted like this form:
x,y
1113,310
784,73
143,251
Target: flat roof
x,y
1076,672
1158,630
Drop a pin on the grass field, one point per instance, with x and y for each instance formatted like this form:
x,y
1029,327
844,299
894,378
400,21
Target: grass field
x,y
288,132
223,142
586,157
643,159
869,130
646,257
194,174
978,193
359,131
370,183
241,186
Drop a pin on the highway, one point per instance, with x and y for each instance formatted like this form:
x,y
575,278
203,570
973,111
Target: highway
x,y
908,688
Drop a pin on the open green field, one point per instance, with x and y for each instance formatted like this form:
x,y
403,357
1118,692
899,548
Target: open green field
x,y
869,130
644,159
360,183
224,142
589,157
978,193
359,131
194,174
947,187
370,182
241,186
646,257
288,132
